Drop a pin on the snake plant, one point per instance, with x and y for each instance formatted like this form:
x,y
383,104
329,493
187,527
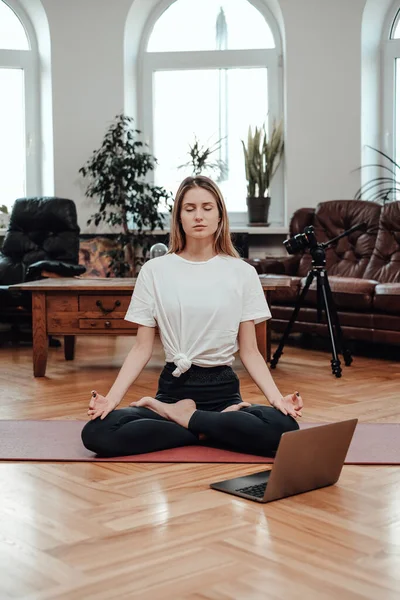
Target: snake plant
x,y
262,158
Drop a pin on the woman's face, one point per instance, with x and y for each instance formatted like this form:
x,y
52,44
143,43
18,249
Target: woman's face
x,y
199,213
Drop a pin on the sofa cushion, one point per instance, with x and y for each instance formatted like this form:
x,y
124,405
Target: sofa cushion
x,y
385,336
350,255
385,260
387,298
354,326
386,322
309,315
348,293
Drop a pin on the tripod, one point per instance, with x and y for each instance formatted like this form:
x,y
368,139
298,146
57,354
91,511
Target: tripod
x,y
324,302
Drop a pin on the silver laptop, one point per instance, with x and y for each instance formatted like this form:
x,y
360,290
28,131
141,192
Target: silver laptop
x,y
306,459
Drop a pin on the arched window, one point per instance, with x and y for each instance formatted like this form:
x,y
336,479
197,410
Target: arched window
x,y
395,29
18,106
391,86
210,70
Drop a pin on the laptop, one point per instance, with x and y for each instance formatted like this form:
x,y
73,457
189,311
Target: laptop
x,y
306,459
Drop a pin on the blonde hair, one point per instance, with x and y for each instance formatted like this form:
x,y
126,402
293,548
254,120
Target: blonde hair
x,y
222,240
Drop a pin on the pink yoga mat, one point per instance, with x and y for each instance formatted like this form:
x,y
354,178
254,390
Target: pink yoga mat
x,y
373,443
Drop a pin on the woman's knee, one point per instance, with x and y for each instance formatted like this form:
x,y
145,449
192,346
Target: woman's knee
x,y
285,422
96,433
273,417
100,435
92,434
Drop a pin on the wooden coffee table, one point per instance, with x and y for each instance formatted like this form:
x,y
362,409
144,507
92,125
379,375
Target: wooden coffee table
x,y
77,306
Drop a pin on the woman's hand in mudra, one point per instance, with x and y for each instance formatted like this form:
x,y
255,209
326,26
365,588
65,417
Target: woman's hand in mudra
x,y
291,404
100,406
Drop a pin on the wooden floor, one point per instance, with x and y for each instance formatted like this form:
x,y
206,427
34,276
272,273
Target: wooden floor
x,y
118,531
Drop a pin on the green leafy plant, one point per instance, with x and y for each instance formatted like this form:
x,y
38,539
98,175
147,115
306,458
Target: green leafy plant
x,y
262,158
380,189
4,209
201,162
117,179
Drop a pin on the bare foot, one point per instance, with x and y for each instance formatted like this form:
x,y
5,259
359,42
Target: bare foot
x,y
235,407
179,412
152,404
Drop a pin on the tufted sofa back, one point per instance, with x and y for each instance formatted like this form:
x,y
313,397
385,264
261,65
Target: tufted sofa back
x,y
350,256
384,265
43,228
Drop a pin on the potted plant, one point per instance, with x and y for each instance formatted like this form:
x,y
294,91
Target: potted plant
x,y
200,160
262,158
4,216
384,188
117,179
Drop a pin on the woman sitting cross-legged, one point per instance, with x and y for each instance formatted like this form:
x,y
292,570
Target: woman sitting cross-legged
x,y
205,301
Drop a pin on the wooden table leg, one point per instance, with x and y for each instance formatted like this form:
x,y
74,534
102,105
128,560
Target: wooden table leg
x,y
40,338
69,347
261,335
268,326
268,358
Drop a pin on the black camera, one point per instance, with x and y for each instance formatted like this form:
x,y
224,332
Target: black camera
x,y
301,241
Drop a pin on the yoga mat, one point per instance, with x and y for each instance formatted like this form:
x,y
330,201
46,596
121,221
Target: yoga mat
x,y
372,444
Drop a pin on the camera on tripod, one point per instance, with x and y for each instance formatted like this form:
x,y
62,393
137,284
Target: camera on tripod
x,y
301,241
325,301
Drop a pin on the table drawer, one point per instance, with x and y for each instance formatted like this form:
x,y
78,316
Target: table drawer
x,y
103,304
106,324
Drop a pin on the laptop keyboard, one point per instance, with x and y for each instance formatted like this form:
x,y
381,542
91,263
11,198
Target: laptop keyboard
x,y
254,490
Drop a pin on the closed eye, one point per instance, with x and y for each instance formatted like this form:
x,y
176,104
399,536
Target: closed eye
x,y
192,209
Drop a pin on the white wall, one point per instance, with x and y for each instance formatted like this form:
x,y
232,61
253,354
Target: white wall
x,y
323,99
322,59
372,73
88,86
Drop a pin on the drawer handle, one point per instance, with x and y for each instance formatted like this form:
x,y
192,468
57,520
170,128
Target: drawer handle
x,y
107,324
107,311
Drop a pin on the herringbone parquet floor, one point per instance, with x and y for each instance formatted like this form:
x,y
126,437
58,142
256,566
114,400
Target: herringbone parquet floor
x,y
117,531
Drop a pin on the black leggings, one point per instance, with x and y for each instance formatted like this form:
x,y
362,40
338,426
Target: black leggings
x,y
256,429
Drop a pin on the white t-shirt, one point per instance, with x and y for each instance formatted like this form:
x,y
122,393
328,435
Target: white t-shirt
x,y
197,306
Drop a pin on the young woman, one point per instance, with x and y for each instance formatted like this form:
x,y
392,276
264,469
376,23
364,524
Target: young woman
x,y
206,302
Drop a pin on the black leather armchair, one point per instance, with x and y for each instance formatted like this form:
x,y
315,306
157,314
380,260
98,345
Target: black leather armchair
x,y
42,240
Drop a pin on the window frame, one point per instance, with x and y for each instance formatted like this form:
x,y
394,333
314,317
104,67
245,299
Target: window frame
x,y
271,58
27,60
390,52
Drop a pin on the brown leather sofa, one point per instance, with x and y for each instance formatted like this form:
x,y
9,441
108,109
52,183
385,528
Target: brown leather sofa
x,y
363,271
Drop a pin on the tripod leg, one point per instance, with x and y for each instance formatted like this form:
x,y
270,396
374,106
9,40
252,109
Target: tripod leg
x,y
320,300
293,318
339,333
335,362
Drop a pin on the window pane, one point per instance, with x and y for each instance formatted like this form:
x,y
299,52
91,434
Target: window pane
x,y
211,104
12,139
396,30
12,33
189,25
397,116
